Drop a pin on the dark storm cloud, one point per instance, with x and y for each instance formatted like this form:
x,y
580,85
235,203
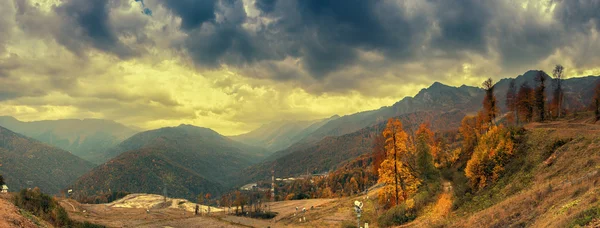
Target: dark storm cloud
x,y
218,42
578,15
192,12
325,35
462,24
87,22
328,34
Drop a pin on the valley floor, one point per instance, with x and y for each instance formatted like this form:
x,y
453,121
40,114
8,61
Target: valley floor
x,y
324,213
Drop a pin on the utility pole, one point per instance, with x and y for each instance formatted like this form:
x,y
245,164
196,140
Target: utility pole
x,y
273,183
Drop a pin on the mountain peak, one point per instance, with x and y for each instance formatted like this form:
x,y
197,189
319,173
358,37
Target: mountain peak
x,y
438,85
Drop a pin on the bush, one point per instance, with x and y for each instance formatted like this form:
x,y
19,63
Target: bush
x,y
585,217
47,208
348,224
258,215
397,215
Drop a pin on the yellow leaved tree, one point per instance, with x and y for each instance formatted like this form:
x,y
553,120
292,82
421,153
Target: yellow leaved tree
x,y
491,154
397,171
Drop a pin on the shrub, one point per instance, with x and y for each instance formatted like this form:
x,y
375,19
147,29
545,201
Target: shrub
x,y
47,208
397,215
585,217
348,224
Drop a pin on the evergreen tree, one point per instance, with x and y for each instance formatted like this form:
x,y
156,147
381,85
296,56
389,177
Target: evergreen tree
x,y
490,106
525,102
425,144
540,95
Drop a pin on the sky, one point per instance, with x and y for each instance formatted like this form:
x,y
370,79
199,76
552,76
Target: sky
x,y
232,65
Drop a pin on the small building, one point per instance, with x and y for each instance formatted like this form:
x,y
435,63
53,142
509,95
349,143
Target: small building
x,y
4,189
249,187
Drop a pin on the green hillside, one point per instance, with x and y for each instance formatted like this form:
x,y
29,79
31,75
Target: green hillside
x,y
28,163
187,159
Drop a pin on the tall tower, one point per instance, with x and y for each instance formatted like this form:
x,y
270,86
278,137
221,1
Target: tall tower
x,y
273,183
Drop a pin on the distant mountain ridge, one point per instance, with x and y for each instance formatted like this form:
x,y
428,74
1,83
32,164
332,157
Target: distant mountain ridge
x,y
28,163
279,135
436,98
332,151
86,138
441,105
187,159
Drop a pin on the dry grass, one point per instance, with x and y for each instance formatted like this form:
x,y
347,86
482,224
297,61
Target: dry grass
x,y
559,191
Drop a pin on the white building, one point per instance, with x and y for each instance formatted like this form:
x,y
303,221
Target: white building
x,y
249,187
4,189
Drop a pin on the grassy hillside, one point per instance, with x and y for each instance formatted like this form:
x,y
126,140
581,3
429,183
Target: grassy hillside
x,y
27,163
552,180
88,138
188,160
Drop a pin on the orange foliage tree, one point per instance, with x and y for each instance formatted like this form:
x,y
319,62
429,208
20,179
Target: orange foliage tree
x,y
489,158
397,171
470,130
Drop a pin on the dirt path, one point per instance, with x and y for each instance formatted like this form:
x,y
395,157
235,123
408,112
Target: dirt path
x,y
438,211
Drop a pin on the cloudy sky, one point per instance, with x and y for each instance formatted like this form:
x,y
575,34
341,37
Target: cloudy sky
x,y
232,65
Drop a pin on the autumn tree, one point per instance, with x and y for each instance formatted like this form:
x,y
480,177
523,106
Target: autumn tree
x,y
525,102
557,99
511,97
378,152
596,101
326,193
540,95
226,200
397,171
353,186
240,200
490,107
489,158
425,145
207,197
443,155
469,132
